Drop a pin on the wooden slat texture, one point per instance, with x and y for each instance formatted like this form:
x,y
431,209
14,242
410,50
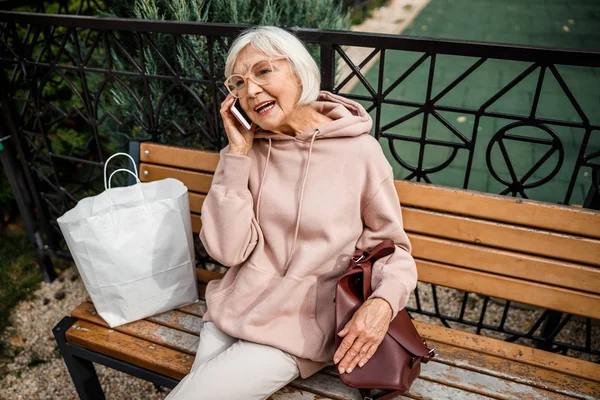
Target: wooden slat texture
x,y
424,389
201,289
500,208
205,276
327,385
510,351
465,382
198,308
465,373
471,381
196,201
196,223
504,236
173,338
518,265
178,320
198,160
537,294
194,181
290,393
525,212
516,371
142,353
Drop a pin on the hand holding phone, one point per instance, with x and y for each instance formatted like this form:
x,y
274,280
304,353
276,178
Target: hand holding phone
x,y
240,135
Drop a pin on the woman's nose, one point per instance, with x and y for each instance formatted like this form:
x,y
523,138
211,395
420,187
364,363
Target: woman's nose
x,y
253,88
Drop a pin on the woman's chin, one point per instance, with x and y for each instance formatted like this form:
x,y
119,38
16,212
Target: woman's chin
x,y
268,125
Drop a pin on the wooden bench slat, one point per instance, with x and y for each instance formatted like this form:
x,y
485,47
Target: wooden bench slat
x,y
430,372
189,322
537,294
327,385
196,223
179,157
198,308
201,289
205,276
174,320
476,382
196,201
517,211
516,371
194,181
136,351
178,320
425,389
142,353
510,351
508,263
504,236
291,393
173,338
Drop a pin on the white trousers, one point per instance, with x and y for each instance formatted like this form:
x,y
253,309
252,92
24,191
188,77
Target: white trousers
x,y
227,368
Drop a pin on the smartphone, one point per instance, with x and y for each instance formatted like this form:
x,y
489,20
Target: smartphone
x,y
240,115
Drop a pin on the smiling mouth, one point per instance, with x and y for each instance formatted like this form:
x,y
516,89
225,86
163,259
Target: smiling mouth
x,y
264,107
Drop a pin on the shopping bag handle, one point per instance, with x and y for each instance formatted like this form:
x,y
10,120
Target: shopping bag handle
x,y
113,156
123,170
110,203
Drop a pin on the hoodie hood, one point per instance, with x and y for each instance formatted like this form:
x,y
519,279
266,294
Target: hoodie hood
x,y
348,119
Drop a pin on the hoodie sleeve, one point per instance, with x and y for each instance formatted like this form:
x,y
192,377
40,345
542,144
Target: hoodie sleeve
x,y
393,277
229,229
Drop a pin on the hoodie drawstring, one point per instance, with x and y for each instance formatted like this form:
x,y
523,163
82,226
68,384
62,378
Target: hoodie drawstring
x,y
262,181
289,258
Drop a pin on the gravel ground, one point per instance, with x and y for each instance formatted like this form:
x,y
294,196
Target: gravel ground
x,y
37,371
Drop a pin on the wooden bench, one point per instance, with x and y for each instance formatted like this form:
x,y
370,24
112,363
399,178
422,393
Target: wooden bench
x,y
539,254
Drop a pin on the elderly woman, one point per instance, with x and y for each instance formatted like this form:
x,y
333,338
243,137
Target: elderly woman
x,y
291,200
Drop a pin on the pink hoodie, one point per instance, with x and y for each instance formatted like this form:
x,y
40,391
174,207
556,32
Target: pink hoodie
x,y
287,217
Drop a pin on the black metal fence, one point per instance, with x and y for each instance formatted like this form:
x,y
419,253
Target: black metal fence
x,y
75,89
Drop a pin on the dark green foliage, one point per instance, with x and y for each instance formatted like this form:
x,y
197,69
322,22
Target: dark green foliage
x,y
8,206
185,113
361,12
18,272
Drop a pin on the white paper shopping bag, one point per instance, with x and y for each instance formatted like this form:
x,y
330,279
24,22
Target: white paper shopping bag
x,y
133,248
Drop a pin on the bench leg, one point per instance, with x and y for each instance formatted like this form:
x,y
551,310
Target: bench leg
x,y
82,371
552,322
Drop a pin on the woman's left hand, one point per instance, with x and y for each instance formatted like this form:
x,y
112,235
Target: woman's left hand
x,y
363,334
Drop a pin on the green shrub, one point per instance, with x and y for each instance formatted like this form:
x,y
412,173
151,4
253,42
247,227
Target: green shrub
x,y
185,114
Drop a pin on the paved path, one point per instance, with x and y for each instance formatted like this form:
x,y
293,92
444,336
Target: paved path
x,y
561,23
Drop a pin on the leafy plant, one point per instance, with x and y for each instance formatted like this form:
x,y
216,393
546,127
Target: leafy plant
x,y
184,114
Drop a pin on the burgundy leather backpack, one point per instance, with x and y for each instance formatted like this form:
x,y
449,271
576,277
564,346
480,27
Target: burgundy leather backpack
x,y
397,361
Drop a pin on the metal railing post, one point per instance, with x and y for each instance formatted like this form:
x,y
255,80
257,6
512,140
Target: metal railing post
x,y
17,181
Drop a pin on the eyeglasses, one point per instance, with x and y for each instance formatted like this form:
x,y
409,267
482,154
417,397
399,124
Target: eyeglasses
x,y
262,73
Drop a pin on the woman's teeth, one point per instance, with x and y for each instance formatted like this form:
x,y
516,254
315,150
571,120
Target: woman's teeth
x,y
265,108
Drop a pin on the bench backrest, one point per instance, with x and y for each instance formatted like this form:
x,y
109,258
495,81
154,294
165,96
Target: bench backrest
x,y
520,250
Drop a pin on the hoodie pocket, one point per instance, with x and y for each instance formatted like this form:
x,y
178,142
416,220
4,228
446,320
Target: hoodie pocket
x,y
224,286
270,309
312,295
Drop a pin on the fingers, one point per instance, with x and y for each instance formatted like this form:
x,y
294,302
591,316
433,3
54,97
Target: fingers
x,y
357,351
369,354
228,120
346,352
359,345
344,331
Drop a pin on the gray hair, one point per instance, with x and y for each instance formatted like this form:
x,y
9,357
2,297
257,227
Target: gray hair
x,y
276,42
